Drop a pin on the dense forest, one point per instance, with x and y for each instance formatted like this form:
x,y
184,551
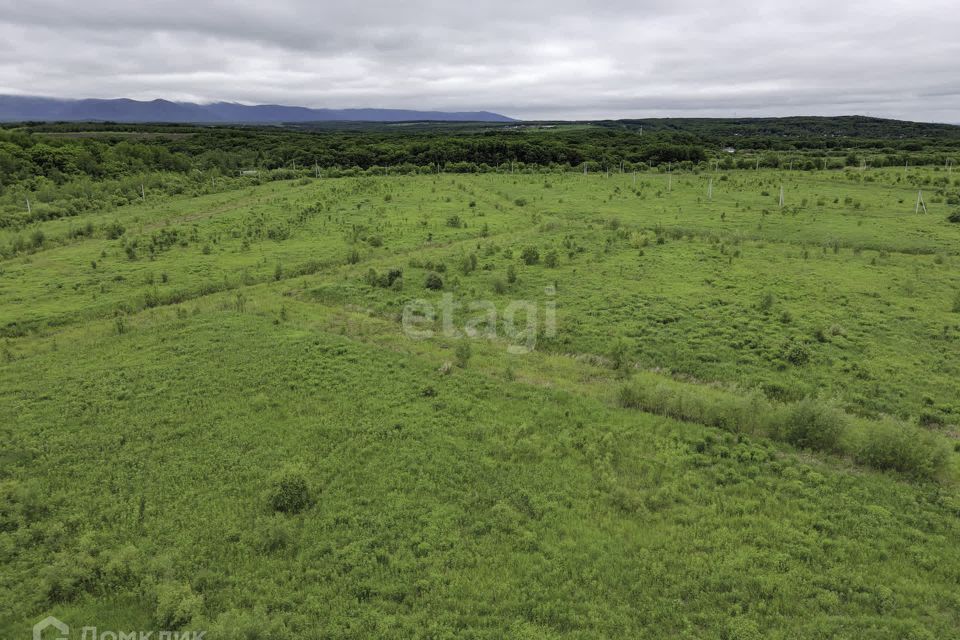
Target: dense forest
x,y
60,169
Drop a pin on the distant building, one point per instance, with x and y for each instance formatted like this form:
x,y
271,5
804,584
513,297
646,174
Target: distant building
x,y
729,150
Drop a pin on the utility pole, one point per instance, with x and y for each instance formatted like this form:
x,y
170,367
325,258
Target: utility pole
x,y
710,190
29,212
781,196
143,194
920,203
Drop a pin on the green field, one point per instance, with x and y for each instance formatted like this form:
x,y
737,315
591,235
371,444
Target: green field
x,y
742,424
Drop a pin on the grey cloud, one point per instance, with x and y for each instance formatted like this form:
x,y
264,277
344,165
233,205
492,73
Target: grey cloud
x,y
538,59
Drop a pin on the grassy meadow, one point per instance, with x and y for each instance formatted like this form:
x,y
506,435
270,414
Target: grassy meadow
x,y
742,423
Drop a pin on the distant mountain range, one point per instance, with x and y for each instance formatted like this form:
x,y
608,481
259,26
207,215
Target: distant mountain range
x,y
29,108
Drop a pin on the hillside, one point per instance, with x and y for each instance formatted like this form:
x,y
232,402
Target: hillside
x,y
26,108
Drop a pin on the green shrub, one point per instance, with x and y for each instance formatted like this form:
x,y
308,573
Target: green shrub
x,y
113,230
69,576
904,448
385,280
619,355
630,397
812,424
530,255
177,605
468,264
463,354
767,300
796,353
288,491
433,282
122,567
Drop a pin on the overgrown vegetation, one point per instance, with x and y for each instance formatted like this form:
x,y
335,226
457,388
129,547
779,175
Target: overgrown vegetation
x,y
213,418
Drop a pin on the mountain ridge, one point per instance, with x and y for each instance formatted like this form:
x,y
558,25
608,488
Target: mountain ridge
x,y
15,108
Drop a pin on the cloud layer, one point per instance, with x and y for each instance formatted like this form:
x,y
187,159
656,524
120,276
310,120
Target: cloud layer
x,y
528,59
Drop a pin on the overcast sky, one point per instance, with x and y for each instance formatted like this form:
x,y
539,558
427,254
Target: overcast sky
x,y
527,59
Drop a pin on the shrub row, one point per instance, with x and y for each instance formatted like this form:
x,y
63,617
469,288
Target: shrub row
x,y
810,423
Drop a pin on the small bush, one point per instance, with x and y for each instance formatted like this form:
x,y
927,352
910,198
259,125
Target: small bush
x,y
796,353
177,605
767,300
288,491
113,230
69,576
954,217
530,255
619,355
630,397
463,354
433,282
811,424
904,448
